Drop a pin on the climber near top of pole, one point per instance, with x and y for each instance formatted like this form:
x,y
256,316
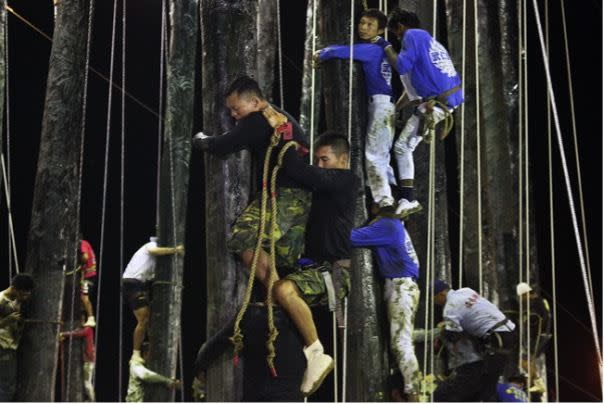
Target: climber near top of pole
x,y
380,130
432,75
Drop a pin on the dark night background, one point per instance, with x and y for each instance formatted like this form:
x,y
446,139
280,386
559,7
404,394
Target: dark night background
x,y
28,60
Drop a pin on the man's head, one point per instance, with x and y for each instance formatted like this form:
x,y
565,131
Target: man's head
x,y
372,23
244,97
519,380
399,21
441,288
331,151
22,286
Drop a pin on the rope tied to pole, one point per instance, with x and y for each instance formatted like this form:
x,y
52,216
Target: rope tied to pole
x,y
282,131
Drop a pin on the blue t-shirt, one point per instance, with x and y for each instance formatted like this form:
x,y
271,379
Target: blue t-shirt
x,y
378,73
429,66
395,253
509,393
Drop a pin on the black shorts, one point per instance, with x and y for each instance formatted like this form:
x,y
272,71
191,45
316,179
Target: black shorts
x,y
136,293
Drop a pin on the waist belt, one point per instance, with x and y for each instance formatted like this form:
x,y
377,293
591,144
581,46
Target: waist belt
x,y
443,97
491,330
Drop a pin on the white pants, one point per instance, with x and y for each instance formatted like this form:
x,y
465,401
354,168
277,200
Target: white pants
x,y
402,298
88,375
380,133
408,141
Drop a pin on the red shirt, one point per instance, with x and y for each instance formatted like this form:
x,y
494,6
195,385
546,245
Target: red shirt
x,y
88,334
89,266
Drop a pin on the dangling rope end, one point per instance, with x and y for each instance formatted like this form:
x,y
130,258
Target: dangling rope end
x,y
236,360
273,371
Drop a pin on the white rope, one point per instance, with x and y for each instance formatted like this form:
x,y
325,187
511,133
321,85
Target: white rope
x,y
478,153
527,232
351,64
279,47
576,145
312,80
104,204
11,239
122,181
521,47
551,221
550,89
79,190
463,140
386,13
434,16
345,350
432,225
11,228
335,355
160,119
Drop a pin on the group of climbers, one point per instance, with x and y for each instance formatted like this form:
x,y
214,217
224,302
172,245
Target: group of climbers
x,y
300,252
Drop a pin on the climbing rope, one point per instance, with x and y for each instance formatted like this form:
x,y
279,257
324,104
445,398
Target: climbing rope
x,y
571,99
280,50
11,239
77,243
122,193
462,145
550,89
527,238
313,79
551,215
279,122
350,71
11,228
478,154
104,203
521,48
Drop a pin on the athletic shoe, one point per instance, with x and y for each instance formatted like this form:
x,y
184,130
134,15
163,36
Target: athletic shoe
x,y
406,208
317,368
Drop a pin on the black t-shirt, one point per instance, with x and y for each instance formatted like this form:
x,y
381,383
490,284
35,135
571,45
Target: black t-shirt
x,y
331,218
253,133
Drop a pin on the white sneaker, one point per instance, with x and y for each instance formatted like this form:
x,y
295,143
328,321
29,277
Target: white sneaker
x,y
90,322
318,367
405,208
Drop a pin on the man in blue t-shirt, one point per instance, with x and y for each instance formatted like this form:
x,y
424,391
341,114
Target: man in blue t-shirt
x,y
378,74
399,266
432,74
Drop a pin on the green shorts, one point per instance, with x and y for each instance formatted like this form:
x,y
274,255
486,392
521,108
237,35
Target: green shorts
x,y
293,206
312,288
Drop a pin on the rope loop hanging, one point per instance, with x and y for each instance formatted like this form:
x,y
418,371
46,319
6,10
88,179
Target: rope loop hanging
x,y
281,127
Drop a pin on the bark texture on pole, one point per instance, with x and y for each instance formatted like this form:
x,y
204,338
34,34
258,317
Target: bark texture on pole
x,y
367,329
53,236
246,27
165,324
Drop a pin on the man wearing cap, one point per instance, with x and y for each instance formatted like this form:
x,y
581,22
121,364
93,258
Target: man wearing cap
x,y
466,313
136,282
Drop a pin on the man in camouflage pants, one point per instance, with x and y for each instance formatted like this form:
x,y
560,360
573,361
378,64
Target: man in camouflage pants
x,y
398,265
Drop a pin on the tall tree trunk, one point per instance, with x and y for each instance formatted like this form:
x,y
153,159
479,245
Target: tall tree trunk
x,y
165,325
53,236
367,329
241,24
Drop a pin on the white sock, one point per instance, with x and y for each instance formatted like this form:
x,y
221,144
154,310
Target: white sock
x,y
314,347
90,318
136,353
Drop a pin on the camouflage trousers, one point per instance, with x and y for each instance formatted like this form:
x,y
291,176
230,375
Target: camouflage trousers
x,y
402,298
293,206
311,284
380,132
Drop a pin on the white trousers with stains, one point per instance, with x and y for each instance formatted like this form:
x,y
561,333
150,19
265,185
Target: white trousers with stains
x,y
380,134
408,141
402,298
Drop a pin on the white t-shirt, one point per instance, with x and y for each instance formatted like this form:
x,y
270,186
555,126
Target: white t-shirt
x,y
142,264
467,311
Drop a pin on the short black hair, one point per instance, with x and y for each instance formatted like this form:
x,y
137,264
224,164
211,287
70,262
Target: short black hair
x,y
399,16
338,142
378,15
245,85
22,282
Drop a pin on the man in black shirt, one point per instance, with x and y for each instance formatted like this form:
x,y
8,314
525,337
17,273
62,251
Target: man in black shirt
x,y
331,219
253,131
